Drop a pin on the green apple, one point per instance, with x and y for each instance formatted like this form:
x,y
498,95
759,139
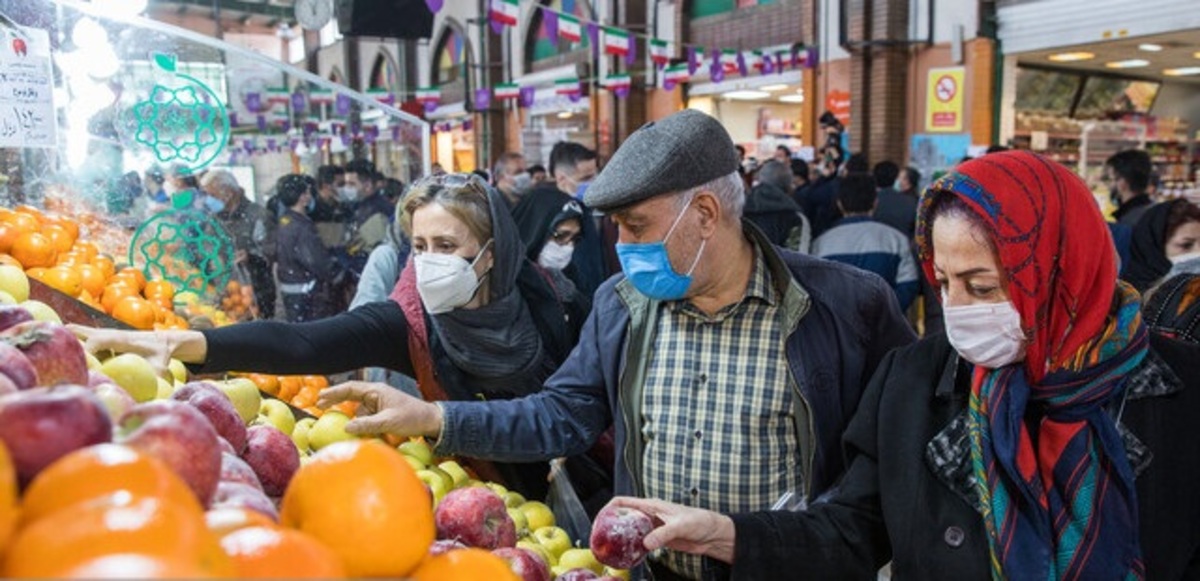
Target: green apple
x,y
7,299
513,499
557,571
439,483
330,428
519,521
498,489
246,398
417,449
580,559
554,540
456,472
92,362
417,465
276,413
539,549
537,514
300,434
618,573
133,373
179,372
165,389
41,311
15,282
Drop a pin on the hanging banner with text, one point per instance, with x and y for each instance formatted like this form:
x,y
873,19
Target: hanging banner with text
x,y
944,100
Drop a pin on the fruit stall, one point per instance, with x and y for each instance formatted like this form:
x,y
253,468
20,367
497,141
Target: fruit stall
x,y
112,466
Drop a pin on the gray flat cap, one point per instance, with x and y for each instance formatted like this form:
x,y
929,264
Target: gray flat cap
x,y
679,152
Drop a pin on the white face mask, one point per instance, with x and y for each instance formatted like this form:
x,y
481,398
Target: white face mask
x,y
522,183
348,193
555,256
988,335
446,281
1181,258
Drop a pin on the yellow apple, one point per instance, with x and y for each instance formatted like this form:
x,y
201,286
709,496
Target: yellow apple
x,y
554,540
456,472
165,389
329,428
300,434
513,499
537,514
244,394
179,372
41,311
133,373
536,547
580,559
7,299
15,282
92,362
417,449
276,413
618,573
519,521
497,488
439,482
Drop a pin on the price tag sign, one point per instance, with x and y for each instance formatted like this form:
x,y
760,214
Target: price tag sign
x,y
27,117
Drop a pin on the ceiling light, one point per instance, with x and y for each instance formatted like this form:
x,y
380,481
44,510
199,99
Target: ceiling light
x,y
1181,72
564,114
747,95
792,98
773,88
1196,55
1150,47
1066,57
1127,64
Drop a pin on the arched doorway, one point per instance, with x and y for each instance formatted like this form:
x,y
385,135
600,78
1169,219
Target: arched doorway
x,y
454,135
552,56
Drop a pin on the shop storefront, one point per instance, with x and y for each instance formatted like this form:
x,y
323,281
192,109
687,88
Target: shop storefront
x,y
760,112
453,125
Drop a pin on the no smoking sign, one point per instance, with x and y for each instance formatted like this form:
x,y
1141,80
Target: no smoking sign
x,y
946,88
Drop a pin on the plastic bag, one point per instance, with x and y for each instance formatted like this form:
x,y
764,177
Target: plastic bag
x,y
569,513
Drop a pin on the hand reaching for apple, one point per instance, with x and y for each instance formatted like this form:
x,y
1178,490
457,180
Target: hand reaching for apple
x,y
685,529
157,347
384,409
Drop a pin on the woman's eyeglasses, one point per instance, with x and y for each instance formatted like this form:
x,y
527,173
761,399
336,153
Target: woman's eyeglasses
x,y
564,237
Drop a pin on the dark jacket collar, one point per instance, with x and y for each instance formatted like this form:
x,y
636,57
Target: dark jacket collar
x,y
1134,202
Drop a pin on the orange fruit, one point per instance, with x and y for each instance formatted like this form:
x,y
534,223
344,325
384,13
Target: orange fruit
x,y
8,498
304,400
8,235
347,407
289,386
222,521
106,265
113,524
137,276
87,249
100,470
59,238
318,382
63,279
114,292
89,300
465,564
351,515
135,311
134,566
67,224
22,222
91,279
271,552
159,288
33,250
265,383
36,273
70,258
30,211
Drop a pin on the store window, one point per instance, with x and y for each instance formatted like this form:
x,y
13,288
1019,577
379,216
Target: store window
x,y
383,73
450,63
1105,96
542,47
1046,90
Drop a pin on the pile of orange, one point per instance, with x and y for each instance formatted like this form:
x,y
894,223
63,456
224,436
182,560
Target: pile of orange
x,y
238,301
301,391
48,247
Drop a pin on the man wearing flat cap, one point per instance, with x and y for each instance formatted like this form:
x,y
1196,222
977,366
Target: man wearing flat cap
x,y
729,367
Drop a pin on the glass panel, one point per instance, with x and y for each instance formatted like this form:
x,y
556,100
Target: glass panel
x,y
451,57
1105,96
1046,91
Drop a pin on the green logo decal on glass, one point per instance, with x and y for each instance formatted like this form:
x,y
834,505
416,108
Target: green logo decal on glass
x,y
184,124
186,247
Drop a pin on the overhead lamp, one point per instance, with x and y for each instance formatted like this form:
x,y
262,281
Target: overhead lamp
x,y
1196,54
1182,71
1150,47
1067,57
792,98
564,114
773,88
747,95
1127,64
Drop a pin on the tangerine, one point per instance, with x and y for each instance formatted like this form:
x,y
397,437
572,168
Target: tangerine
x,y
59,238
106,265
32,250
63,279
135,311
22,222
266,383
137,276
134,566
465,564
272,552
350,515
8,498
225,520
88,249
100,470
8,235
36,273
289,386
30,211
159,288
71,226
91,278
114,292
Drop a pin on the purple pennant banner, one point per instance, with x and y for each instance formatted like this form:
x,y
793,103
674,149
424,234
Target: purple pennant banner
x,y
254,102
621,92
342,105
435,6
576,96
526,96
298,102
717,72
483,99
310,128
467,125
233,120
497,26
346,139
692,62
248,145
550,24
631,56
768,65
261,122
430,106
395,133
356,127
779,63
287,126
271,145
593,31
743,70
668,84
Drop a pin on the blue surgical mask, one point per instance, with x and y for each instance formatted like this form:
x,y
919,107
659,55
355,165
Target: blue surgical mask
x,y
648,267
312,205
213,205
582,189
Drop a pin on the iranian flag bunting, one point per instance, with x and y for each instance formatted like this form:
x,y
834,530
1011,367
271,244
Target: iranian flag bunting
x,y
504,12
320,97
568,28
278,96
567,86
659,52
614,82
616,41
677,73
428,95
506,91
382,95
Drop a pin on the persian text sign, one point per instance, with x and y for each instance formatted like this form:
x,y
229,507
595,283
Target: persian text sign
x,y
944,100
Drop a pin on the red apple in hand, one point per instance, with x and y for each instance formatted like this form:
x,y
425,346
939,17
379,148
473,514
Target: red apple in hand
x,y
476,516
43,424
215,406
273,456
179,435
54,352
528,565
618,536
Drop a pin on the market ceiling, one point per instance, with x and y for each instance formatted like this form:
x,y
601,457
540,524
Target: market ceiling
x,y
1153,57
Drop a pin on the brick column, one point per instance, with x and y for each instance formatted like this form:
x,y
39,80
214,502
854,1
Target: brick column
x,y
878,79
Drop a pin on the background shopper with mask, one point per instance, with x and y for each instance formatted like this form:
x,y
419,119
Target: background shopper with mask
x,y
550,225
1166,233
716,355
470,318
1046,435
511,178
252,229
306,268
574,167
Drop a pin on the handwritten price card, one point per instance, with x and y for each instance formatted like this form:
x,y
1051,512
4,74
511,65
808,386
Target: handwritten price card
x,y
27,117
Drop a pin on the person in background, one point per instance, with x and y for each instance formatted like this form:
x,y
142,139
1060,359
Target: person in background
x,y
253,231
821,203
573,167
537,172
371,212
306,267
1127,174
483,174
328,212
1167,232
908,181
183,188
800,180
436,169
550,225
1046,435
154,182
511,178
392,190
859,240
770,207
893,208
783,155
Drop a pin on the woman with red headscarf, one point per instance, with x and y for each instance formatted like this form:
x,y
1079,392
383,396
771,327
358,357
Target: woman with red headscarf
x,y
1046,435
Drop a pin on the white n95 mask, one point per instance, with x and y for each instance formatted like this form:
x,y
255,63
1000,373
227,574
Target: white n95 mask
x,y
446,281
988,335
555,256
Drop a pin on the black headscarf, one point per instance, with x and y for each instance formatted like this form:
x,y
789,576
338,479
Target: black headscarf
x,y
539,211
1148,260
